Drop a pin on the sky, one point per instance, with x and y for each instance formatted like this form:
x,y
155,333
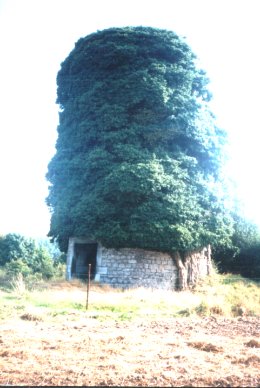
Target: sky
x,y
37,35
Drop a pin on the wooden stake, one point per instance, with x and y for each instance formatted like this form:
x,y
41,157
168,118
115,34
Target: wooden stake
x,y
88,288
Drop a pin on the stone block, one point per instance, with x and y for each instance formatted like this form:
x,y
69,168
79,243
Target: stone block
x,y
132,261
102,270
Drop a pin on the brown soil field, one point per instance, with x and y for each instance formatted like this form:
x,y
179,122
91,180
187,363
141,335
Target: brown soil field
x,y
84,350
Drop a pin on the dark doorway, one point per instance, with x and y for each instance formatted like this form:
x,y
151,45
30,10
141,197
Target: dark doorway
x,y
84,254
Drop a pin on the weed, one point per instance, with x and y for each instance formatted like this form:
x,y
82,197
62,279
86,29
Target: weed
x,y
202,309
185,313
18,285
78,306
125,317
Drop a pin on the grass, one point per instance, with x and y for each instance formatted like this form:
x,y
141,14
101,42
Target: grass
x,y
230,295
137,337
223,295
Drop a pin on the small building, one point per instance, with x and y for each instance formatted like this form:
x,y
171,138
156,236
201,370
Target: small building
x,y
128,267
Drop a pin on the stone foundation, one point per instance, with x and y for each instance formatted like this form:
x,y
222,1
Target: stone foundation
x,y
127,267
137,268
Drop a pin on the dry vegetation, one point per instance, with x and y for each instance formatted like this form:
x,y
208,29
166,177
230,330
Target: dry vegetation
x,y
207,337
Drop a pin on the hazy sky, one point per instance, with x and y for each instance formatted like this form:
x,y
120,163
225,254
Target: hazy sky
x,y
37,35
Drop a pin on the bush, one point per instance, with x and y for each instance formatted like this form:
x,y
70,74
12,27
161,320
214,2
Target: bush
x,y
242,256
28,257
16,267
43,263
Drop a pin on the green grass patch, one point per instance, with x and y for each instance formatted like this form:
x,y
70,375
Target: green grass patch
x,y
222,295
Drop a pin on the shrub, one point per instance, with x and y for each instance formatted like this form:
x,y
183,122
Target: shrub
x,y
28,257
16,267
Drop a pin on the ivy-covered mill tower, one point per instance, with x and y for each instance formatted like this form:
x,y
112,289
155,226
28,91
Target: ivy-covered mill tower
x,y
135,181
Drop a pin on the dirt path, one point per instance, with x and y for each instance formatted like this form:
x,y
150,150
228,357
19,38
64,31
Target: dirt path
x,y
173,352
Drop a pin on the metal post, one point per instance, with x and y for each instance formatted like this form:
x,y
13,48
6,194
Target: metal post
x,y
88,287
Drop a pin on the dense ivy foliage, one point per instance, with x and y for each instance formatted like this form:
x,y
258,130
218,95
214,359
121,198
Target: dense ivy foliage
x,y
138,161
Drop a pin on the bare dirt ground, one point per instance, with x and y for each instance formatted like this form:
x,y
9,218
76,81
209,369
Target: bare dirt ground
x,y
168,352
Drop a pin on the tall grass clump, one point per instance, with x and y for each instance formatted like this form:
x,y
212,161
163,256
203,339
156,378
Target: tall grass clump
x,y
229,295
18,285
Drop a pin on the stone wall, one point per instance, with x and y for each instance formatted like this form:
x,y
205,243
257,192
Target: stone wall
x,y
127,267
137,268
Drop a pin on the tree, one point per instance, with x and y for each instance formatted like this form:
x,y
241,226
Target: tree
x,y
138,157
19,254
242,255
14,246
